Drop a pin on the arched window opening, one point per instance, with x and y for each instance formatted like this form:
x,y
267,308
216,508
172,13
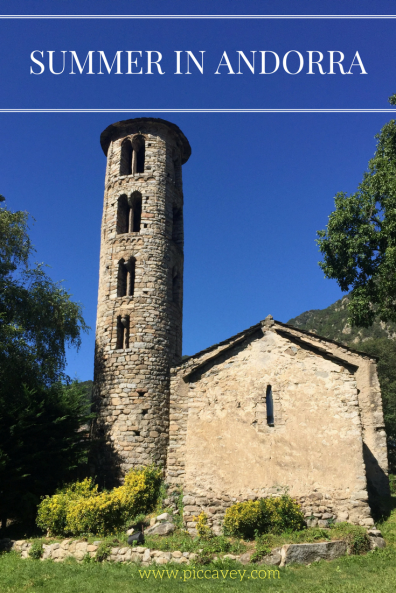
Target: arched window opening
x,y
135,214
122,278
270,406
126,157
126,277
122,332
176,287
130,283
138,154
177,226
123,215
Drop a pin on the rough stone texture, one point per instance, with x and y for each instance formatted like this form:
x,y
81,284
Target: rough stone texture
x,y
376,542
205,419
327,415
307,553
164,517
131,389
274,558
161,529
298,553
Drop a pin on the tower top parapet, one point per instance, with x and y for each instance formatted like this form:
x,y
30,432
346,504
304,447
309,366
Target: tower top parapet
x,y
121,128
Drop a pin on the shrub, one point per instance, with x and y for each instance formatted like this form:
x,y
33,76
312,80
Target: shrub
x,y
36,550
81,509
203,529
355,535
103,551
52,511
254,518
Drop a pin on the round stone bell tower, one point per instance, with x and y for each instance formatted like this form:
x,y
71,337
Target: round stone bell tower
x,y
139,318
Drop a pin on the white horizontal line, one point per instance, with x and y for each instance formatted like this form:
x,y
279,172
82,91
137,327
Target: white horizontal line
x,y
198,16
148,110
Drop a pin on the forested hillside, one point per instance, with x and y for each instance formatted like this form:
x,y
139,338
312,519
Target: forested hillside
x,y
379,340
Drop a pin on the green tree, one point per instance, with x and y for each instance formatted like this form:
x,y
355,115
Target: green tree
x,y
42,414
359,243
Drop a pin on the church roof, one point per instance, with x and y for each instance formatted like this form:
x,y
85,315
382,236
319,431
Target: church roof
x,y
317,343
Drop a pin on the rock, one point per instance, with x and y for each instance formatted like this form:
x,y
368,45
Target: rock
x,y
376,542
341,517
176,512
123,551
230,556
137,537
188,499
367,522
308,553
161,561
312,522
146,555
164,517
374,532
160,529
272,559
177,554
244,558
130,531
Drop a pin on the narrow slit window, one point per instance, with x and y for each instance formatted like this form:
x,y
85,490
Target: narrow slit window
x,y
122,279
177,226
138,154
126,158
270,406
135,214
122,332
123,215
130,280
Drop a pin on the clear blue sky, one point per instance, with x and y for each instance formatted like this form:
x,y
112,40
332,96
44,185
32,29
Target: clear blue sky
x,y
257,186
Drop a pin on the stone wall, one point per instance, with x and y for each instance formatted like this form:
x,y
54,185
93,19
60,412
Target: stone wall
x,y
222,449
131,382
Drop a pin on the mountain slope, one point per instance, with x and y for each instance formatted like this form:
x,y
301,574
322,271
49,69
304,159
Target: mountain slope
x,y
333,323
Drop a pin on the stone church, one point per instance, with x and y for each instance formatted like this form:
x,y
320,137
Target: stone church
x,y
269,409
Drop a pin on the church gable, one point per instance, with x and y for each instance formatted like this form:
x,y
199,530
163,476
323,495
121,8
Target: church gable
x,y
263,411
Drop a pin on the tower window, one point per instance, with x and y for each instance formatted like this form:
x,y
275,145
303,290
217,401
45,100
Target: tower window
x,y
122,332
138,154
270,406
123,215
129,213
126,157
126,277
132,156
135,214
177,226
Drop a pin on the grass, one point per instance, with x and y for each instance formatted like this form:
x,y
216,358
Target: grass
x,y
373,572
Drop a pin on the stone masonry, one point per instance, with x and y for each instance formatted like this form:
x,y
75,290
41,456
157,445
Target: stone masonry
x,y
269,409
323,441
139,319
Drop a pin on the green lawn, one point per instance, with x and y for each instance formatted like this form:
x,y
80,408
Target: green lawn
x,y
374,572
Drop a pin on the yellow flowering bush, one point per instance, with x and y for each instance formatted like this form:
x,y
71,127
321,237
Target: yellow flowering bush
x,y
52,511
202,527
266,515
100,513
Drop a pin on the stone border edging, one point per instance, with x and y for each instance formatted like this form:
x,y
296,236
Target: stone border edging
x,y
288,553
